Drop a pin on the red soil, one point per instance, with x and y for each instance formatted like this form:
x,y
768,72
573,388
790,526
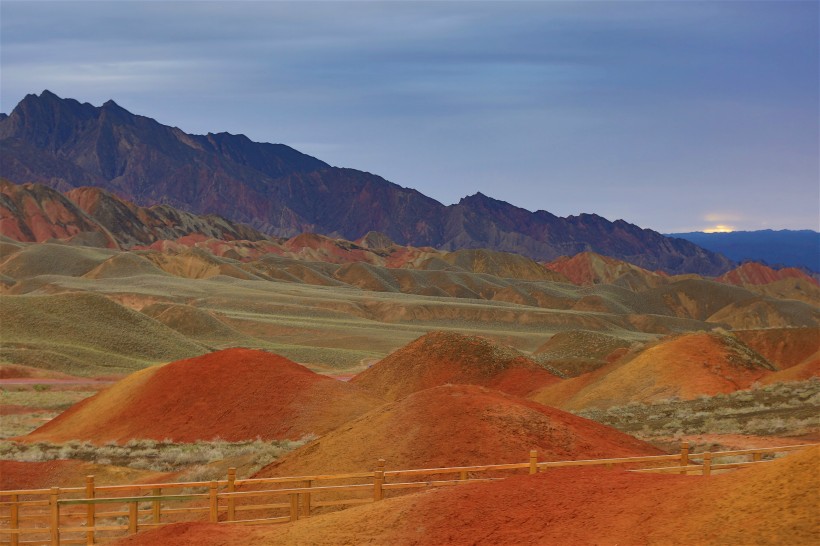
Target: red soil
x,y
232,394
806,370
456,425
69,473
783,347
755,274
440,358
774,504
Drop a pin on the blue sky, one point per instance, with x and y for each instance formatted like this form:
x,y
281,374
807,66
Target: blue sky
x,y
673,115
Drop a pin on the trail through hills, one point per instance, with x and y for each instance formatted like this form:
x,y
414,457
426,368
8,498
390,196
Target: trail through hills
x,y
233,394
440,358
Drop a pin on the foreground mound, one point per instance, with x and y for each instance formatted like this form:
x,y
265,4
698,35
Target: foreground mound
x,y
438,358
683,366
456,425
234,394
774,503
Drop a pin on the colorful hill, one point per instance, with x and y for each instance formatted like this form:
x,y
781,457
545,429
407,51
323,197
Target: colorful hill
x,y
684,366
233,394
752,273
588,268
456,425
440,358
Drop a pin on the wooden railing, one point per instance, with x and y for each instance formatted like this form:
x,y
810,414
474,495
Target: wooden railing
x,y
94,514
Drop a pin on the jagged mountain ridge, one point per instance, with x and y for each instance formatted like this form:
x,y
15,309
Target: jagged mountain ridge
x,y
277,190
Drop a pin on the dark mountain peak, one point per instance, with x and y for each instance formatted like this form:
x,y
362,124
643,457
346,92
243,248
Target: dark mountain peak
x,y
480,201
113,112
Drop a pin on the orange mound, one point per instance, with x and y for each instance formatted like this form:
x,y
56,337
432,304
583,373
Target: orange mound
x,y
233,394
805,370
783,347
771,504
438,358
456,425
684,366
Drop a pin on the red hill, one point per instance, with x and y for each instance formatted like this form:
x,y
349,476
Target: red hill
x,y
439,358
233,394
455,425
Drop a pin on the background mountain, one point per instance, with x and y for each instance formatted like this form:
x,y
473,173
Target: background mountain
x,y
785,247
279,191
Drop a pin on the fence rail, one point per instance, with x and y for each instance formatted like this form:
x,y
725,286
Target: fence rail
x,y
107,512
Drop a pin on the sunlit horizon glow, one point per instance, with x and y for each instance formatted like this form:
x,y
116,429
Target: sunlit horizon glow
x,y
719,229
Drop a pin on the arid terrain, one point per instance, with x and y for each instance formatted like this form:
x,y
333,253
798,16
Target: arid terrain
x,y
175,352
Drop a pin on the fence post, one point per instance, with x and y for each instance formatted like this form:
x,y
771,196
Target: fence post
x,y
306,499
156,508
684,456
231,489
53,501
91,510
463,475
294,506
214,502
15,520
707,464
533,461
133,518
378,481
757,456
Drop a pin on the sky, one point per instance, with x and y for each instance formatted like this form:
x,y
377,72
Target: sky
x,y
672,115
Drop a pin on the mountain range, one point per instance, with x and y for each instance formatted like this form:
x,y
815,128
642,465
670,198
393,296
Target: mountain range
x,y
65,144
790,248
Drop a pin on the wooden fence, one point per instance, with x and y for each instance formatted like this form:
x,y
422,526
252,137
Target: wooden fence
x,y
95,514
